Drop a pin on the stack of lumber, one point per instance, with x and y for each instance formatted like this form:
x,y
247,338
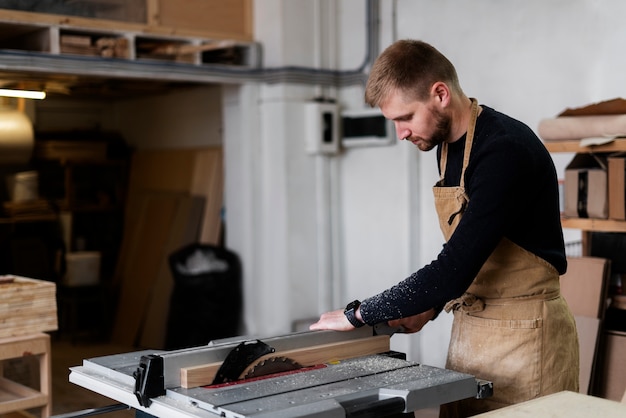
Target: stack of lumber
x,y
27,306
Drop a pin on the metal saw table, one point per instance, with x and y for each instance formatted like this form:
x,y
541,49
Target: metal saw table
x,y
373,385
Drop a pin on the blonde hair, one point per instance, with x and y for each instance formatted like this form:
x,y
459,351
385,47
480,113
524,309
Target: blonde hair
x,y
412,67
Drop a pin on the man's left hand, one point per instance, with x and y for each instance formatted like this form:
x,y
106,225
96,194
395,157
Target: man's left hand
x,y
413,323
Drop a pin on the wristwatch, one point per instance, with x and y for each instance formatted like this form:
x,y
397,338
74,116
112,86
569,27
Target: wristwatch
x,y
350,311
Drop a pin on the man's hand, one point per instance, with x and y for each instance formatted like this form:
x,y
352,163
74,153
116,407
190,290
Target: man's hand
x,y
413,323
335,320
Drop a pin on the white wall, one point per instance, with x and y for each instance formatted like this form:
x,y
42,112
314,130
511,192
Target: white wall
x,y
528,58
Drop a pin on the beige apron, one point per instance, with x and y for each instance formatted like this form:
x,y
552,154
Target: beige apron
x,y
512,326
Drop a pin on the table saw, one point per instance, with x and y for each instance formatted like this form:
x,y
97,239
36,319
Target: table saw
x,y
307,374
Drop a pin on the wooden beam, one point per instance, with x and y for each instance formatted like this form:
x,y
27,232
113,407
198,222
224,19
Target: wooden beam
x,y
203,375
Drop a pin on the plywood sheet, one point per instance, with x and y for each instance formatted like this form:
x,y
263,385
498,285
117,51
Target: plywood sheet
x,y
208,181
183,231
146,246
163,213
585,285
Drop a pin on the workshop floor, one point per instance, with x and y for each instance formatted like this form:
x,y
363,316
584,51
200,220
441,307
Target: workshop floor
x,y
68,397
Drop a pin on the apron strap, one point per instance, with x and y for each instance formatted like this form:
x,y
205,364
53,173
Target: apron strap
x,y
468,146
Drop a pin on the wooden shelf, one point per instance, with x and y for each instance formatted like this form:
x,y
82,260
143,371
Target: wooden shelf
x,y
600,225
617,145
14,396
29,218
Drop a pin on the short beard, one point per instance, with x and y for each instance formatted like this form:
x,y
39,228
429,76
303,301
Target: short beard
x,y
441,134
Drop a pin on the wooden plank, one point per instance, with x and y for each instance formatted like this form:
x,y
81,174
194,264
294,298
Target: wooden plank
x,y
208,181
202,375
183,231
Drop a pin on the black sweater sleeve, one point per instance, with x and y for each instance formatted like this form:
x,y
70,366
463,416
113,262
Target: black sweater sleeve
x,y
512,187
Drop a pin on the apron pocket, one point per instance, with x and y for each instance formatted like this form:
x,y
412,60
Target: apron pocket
x,y
504,351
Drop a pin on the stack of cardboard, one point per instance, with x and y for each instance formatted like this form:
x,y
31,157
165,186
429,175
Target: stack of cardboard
x,y
585,288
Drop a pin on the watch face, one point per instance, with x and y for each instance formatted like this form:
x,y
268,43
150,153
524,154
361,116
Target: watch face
x,y
353,305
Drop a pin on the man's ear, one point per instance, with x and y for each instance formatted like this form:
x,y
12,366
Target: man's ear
x,y
441,93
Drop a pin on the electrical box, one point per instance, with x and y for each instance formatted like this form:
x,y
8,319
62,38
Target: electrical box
x,y
321,127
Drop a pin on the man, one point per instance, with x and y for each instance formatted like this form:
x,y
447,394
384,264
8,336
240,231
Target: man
x,y
498,207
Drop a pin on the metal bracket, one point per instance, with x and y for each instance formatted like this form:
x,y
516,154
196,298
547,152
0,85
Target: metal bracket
x,y
149,380
484,389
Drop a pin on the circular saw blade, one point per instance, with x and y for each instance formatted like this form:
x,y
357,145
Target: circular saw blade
x,y
271,365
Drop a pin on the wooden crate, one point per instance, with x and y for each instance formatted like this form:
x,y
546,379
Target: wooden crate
x,y
27,306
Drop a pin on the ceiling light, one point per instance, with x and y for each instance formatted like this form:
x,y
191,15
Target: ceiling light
x,y
26,94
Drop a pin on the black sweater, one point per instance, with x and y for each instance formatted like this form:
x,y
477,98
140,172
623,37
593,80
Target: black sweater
x,y
513,192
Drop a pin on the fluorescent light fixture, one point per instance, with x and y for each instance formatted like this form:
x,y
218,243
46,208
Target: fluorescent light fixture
x,y
26,94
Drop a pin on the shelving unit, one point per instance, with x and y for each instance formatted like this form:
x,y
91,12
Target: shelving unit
x,y
613,343
590,225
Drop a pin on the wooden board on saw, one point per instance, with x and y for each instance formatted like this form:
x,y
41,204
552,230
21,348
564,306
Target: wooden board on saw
x,y
203,375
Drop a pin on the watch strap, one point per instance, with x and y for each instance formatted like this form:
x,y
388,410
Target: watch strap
x,y
350,313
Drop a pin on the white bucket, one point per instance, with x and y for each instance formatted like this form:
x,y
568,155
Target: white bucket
x,y
23,186
83,268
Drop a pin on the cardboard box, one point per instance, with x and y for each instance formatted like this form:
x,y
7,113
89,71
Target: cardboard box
x,y
585,288
27,306
617,187
586,190
613,383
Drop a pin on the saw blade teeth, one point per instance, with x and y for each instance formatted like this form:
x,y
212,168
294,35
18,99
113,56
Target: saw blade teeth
x,y
272,365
